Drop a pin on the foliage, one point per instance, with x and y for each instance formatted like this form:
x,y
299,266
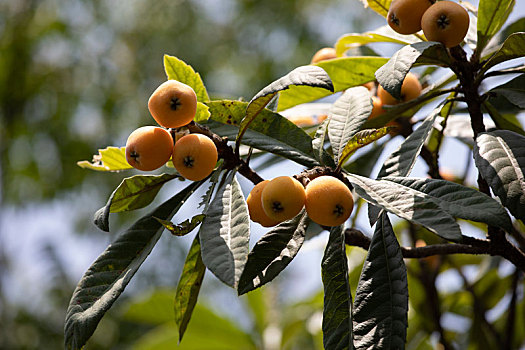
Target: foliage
x,y
432,210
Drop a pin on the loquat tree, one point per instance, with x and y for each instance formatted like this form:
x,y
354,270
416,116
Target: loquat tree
x,y
446,99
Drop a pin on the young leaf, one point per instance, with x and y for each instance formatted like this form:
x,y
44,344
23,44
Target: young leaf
x,y
225,233
177,69
106,279
500,157
492,14
345,73
312,76
391,75
184,227
361,139
133,193
347,115
383,34
409,204
337,310
380,315
402,160
459,201
270,132
202,113
379,6
273,252
107,159
189,286
513,47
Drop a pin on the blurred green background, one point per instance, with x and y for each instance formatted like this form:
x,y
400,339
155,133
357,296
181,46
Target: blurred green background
x,y
75,76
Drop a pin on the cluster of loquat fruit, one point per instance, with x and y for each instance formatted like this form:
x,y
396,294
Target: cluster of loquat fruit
x,y
444,21
173,105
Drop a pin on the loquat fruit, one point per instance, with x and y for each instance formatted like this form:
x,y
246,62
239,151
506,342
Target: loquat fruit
x,y
302,120
255,207
410,90
194,156
283,198
329,201
148,148
446,22
173,104
377,107
326,53
404,16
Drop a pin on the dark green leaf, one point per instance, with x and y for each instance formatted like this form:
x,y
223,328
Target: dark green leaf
x,y
513,47
503,121
133,193
460,201
514,90
337,310
347,115
365,163
311,76
106,279
225,233
500,158
177,69
270,132
184,227
381,302
319,141
391,75
345,73
409,204
492,14
189,286
361,139
273,252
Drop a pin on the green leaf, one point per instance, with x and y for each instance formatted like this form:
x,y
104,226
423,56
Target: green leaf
x,y
184,227
513,47
514,90
177,69
270,132
460,201
365,163
337,310
492,14
106,279
319,141
407,203
379,6
133,193
202,113
381,300
505,122
361,139
383,34
273,252
344,73
391,75
402,160
500,157
225,233
189,286
107,159
347,115
311,76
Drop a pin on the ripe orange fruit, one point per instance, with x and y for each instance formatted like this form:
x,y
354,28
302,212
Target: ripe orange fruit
x,y
326,53
446,22
302,120
148,148
194,156
283,198
173,104
329,201
410,90
255,207
377,107
404,16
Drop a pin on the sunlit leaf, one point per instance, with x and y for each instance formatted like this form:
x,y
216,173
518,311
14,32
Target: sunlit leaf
x,y
189,286
500,157
383,34
225,233
177,69
184,227
133,193
513,47
273,252
337,310
109,275
379,6
319,141
492,14
361,139
107,159
380,314
202,113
